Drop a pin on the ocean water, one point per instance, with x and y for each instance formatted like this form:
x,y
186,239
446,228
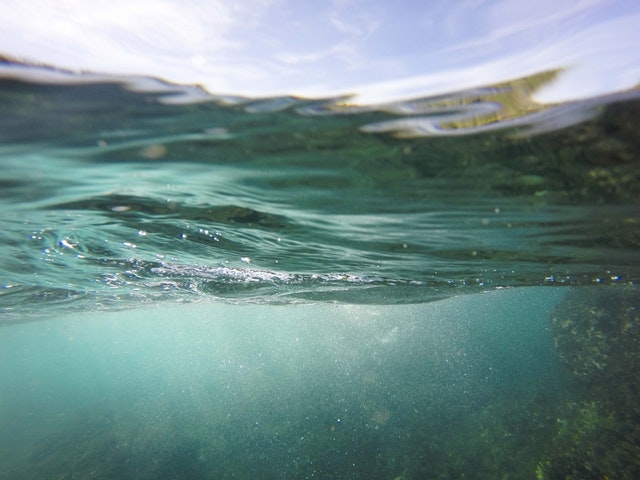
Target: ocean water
x,y
208,287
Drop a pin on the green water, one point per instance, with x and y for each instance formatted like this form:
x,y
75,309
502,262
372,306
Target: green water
x,y
140,201
241,289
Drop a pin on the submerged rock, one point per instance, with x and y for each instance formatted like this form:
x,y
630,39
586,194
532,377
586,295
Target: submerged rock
x,y
596,332
597,336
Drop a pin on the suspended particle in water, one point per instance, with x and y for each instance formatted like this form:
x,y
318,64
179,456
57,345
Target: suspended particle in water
x,y
153,152
120,208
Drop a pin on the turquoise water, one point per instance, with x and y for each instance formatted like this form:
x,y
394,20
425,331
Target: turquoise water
x,y
234,288
314,391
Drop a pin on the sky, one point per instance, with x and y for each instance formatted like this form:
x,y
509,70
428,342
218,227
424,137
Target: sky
x,y
376,50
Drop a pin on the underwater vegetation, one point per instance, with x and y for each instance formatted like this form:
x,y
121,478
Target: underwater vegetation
x,y
597,337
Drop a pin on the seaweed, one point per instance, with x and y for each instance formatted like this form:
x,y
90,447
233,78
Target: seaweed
x,y
597,335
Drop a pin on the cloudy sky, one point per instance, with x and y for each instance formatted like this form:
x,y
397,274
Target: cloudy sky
x,y
377,49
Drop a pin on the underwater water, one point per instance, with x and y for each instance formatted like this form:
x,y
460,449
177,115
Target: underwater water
x,y
213,287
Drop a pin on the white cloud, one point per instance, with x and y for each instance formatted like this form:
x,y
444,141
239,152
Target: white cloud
x,y
121,36
378,49
360,28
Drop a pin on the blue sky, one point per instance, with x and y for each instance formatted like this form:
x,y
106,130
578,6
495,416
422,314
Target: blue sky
x,y
376,49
